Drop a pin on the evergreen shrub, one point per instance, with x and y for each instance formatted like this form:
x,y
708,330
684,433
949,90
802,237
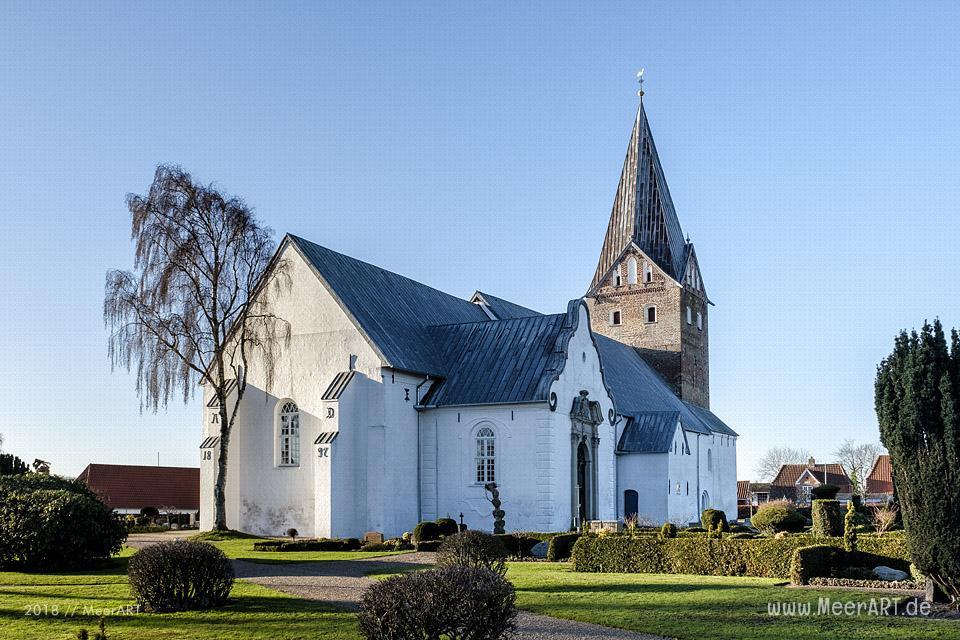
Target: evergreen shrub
x,y
827,520
180,576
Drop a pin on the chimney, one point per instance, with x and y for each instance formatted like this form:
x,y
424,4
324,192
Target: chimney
x,y
811,463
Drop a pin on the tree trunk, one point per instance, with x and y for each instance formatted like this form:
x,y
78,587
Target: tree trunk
x,y
219,489
934,593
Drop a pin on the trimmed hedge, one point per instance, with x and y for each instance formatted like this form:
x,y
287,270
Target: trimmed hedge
x,y
816,561
321,544
518,545
428,545
773,517
561,546
831,561
827,520
728,556
426,530
868,584
712,518
447,526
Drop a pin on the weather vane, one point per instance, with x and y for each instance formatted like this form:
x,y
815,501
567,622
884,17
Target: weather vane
x,y
640,80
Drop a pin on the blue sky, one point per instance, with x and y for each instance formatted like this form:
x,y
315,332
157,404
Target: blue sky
x,y
811,152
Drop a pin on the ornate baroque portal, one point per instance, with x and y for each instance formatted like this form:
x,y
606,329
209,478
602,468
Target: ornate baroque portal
x,y
585,417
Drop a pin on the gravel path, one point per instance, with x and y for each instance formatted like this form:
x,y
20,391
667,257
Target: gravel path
x,y
343,582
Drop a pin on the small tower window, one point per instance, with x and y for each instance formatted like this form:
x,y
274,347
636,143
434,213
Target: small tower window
x,y
617,280
647,273
699,321
631,270
690,315
651,314
615,318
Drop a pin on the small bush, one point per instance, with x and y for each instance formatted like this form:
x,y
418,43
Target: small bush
x,y
668,530
561,546
778,515
825,492
293,533
827,521
711,519
459,603
425,531
180,576
473,549
379,546
447,526
268,545
48,522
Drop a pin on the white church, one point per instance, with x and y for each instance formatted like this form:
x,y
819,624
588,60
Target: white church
x,y
396,402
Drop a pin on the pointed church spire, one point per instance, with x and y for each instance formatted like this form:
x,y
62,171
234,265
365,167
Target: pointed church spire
x,y
643,211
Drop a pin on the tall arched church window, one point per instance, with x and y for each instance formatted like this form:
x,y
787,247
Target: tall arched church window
x,y
709,460
289,434
486,455
631,270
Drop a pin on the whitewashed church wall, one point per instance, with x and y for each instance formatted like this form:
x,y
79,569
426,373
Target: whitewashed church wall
x,y
450,469
682,505
645,473
264,497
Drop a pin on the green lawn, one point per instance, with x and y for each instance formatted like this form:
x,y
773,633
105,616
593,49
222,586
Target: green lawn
x,y
54,606
698,607
240,547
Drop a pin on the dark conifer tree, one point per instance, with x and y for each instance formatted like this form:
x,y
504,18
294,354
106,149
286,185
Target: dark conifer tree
x,y
917,403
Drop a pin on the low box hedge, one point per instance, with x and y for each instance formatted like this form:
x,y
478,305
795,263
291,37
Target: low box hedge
x,y
728,556
320,544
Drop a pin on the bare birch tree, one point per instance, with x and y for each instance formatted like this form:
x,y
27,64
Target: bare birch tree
x,y
769,465
858,460
189,313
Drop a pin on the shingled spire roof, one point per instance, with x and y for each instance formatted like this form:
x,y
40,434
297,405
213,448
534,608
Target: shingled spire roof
x,y
643,211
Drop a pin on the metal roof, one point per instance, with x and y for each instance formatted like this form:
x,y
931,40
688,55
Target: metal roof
x,y
643,211
650,432
338,385
503,361
638,389
504,309
393,311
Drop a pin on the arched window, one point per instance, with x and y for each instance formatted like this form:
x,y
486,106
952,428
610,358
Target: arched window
x,y
289,443
631,270
647,273
699,321
709,460
704,501
486,455
690,315
617,278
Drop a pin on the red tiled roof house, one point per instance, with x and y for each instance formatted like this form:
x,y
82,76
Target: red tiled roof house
x,y
129,488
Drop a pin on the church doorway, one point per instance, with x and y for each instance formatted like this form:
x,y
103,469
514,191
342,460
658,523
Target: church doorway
x,y
704,501
583,478
631,503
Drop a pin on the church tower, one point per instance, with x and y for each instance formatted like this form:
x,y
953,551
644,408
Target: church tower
x,y
647,291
